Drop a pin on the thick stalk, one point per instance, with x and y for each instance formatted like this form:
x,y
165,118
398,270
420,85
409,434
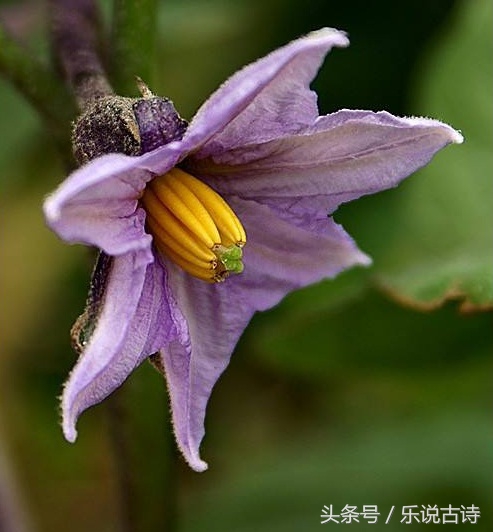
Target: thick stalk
x,y
75,42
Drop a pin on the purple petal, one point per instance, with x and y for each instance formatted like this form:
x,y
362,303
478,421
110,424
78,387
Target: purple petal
x,y
341,157
98,204
276,262
267,98
216,320
137,319
289,255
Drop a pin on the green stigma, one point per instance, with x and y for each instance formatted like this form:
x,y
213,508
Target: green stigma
x,y
230,257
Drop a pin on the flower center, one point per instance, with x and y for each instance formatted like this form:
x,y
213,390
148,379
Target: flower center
x,y
193,226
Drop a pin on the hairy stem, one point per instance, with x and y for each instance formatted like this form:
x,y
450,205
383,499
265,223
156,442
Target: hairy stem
x,y
133,40
75,41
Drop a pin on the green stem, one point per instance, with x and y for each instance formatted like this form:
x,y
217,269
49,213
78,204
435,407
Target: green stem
x,y
133,42
38,85
144,453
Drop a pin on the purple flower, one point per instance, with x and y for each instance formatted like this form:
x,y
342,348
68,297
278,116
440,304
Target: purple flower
x,y
259,143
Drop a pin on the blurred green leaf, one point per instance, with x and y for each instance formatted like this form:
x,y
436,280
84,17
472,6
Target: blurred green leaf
x,y
418,462
17,123
362,334
432,240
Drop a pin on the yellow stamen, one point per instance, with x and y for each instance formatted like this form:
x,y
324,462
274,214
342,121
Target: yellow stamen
x,y
202,273
198,221
164,238
193,226
173,227
222,213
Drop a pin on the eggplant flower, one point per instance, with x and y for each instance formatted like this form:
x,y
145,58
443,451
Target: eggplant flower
x,y
222,222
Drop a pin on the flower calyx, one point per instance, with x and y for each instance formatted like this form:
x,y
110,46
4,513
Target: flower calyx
x,y
133,126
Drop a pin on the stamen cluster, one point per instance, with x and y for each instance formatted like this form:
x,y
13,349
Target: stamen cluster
x,y
193,226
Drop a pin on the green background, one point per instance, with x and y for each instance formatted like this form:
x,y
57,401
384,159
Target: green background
x,y
374,388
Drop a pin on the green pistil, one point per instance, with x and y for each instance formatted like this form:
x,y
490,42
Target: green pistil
x,y
230,257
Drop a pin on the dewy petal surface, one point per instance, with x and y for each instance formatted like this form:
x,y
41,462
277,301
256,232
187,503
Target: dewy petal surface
x,y
266,98
139,316
341,157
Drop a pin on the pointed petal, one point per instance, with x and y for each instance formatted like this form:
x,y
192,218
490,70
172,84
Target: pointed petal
x,y
136,320
291,254
266,98
341,157
215,323
276,262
